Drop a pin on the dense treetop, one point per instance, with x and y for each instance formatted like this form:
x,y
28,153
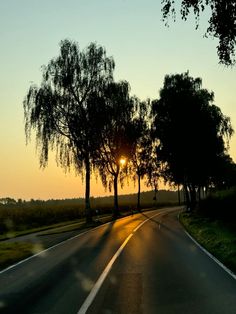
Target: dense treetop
x,y
191,131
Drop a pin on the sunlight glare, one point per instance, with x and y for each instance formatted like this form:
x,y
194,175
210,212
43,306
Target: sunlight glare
x,y
122,161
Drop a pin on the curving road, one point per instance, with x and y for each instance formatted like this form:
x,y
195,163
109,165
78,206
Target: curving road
x,y
151,266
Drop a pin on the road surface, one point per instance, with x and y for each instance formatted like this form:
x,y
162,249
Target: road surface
x,y
151,266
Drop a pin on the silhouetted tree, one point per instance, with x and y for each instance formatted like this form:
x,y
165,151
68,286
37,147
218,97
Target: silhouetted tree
x,y
225,175
154,171
140,159
8,201
190,130
222,23
117,140
65,110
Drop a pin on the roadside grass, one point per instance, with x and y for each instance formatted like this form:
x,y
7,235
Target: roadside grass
x,y
66,224
216,236
12,252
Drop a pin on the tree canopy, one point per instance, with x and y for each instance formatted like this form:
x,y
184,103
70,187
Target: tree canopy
x,y
141,165
64,111
191,131
222,22
224,176
117,139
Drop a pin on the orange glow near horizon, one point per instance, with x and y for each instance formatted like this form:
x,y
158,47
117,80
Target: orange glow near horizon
x,y
144,69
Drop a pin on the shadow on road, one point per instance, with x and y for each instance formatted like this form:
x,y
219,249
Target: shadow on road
x,y
159,223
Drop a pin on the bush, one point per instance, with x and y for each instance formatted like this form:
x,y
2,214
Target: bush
x,y
220,205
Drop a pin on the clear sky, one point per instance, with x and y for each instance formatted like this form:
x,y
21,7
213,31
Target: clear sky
x,y
144,51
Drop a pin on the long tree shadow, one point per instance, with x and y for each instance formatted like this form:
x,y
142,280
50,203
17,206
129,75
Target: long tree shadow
x,y
160,224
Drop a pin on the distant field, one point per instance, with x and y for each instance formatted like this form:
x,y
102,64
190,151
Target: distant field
x,y
27,215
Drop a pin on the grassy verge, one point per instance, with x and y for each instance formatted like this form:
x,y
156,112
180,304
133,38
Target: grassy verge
x,y
218,237
15,251
14,234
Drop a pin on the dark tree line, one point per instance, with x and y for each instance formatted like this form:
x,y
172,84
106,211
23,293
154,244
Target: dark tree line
x,y
192,134
94,125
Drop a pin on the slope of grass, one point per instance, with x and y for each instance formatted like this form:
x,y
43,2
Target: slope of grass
x,y
14,233
217,236
15,251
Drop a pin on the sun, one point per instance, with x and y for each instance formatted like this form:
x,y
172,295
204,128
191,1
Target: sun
x,y
122,161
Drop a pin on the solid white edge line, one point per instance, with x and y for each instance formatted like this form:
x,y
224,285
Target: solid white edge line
x,y
41,253
88,301
211,256
52,247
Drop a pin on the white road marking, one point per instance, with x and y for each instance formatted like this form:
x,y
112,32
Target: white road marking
x,y
88,301
41,252
212,256
51,247
54,246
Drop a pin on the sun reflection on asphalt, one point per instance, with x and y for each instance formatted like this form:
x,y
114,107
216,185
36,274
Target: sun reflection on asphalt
x,y
86,283
2,304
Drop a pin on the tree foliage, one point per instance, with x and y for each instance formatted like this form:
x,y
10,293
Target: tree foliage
x,y
224,176
222,22
142,161
65,110
7,200
191,131
117,139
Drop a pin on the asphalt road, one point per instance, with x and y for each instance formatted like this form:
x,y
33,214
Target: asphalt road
x,y
152,268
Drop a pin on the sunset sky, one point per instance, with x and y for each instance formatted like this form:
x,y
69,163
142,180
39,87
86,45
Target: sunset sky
x,y
144,50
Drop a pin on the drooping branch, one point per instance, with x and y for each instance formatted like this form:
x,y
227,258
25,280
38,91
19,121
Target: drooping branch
x,y
222,23
64,110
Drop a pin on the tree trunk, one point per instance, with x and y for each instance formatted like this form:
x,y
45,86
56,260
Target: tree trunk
x,y
88,212
187,199
179,195
139,188
116,208
193,197
199,193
